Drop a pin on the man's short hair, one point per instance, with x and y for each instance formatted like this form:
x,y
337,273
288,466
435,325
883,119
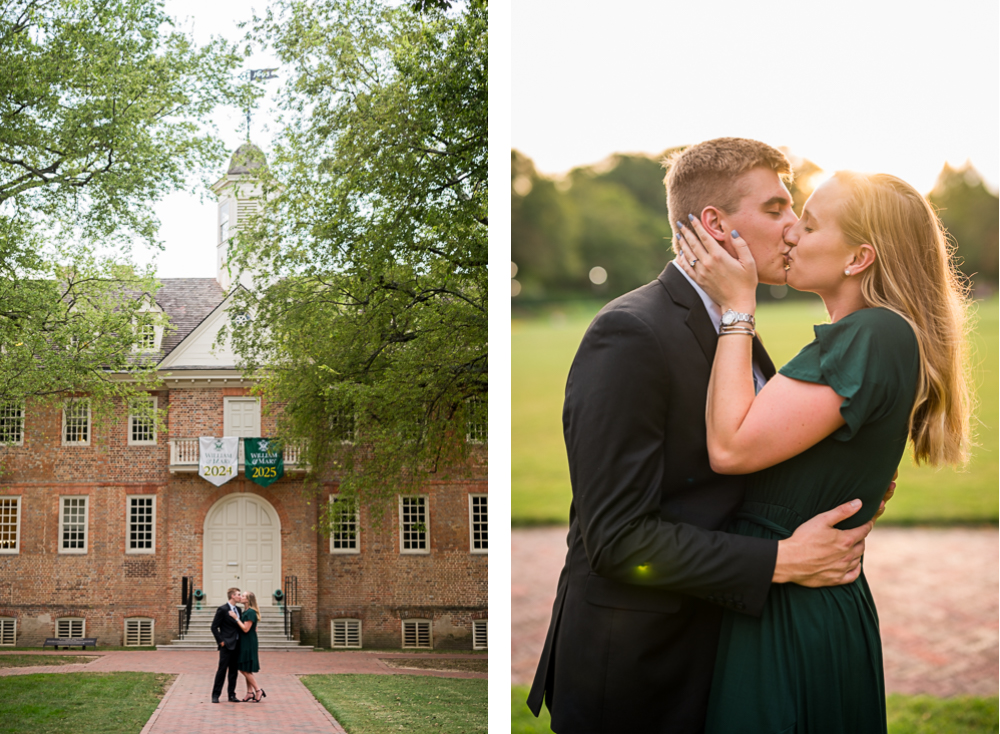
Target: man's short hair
x,y
234,590
707,174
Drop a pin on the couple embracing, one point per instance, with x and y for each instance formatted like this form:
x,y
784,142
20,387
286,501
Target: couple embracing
x,y
235,631
713,580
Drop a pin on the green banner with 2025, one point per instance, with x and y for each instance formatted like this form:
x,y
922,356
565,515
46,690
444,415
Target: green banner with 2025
x,y
264,461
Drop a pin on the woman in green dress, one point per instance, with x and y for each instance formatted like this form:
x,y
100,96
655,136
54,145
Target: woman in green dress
x,y
829,428
248,646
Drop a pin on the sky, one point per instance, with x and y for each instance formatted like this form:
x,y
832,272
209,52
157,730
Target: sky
x,y
872,85
188,218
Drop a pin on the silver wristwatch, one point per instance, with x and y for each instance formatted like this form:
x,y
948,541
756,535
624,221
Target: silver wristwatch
x,y
731,317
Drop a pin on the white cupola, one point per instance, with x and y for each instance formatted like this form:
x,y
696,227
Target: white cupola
x,y
239,194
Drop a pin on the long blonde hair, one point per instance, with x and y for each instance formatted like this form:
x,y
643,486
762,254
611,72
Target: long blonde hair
x,y
252,603
915,276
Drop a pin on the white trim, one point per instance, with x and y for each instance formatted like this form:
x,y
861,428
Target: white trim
x,y
212,322
17,526
417,625
139,623
427,525
484,540
8,631
70,620
89,424
86,523
132,416
20,420
351,629
357,530
128,525
480,629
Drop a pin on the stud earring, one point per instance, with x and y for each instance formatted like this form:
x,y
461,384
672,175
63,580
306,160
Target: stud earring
x,y
847,272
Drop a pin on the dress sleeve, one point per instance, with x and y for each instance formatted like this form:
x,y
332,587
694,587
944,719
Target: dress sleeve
x,y
858,358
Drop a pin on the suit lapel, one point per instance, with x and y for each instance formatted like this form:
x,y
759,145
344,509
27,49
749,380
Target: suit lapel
x,y
697,319
762,359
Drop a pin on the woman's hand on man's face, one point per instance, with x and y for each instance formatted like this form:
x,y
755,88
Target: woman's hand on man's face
x,y
729,281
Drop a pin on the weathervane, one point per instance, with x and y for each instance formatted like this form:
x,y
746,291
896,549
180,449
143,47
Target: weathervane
x,y
263,75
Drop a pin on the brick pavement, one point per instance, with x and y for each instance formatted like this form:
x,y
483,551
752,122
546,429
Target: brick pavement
x,y
935,589
187,707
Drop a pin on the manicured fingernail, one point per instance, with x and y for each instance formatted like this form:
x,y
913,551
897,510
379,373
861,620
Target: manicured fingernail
x,y
680,224
735,234
690,217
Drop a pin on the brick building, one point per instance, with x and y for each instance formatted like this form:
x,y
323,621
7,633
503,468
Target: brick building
x,y
99,523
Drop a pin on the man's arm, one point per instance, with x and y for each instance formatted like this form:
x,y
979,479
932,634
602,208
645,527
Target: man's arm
x,y
217,625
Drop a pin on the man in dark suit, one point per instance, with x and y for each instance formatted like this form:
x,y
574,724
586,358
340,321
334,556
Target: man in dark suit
x,y
632,641
227,634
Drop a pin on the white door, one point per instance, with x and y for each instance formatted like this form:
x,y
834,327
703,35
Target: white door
x,y
242,417
242,548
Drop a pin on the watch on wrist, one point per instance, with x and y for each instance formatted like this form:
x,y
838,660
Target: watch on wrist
x,y
731,317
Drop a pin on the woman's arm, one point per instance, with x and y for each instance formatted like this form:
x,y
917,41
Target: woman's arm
x,y
748,433
245,626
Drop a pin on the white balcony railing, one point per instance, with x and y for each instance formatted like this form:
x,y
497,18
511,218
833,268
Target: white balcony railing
x,y
184,454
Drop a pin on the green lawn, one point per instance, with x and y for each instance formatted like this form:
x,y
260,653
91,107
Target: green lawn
x,y
542,349
95,703
28,661
906,714
416,704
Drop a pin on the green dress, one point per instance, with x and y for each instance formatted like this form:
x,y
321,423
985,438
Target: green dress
x,y
812,662
248,644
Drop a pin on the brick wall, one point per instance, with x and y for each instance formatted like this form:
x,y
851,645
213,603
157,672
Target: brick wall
x,y
380,586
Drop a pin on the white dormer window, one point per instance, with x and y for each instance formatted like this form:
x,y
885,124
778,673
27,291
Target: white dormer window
x,y
147,337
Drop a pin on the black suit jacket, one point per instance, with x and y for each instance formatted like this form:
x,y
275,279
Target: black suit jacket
x,y
632,641
225,629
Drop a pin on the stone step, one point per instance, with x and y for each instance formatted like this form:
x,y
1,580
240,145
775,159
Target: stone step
x,y
185,645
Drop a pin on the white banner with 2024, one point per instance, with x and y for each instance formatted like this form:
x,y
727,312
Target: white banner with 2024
x,y
218,458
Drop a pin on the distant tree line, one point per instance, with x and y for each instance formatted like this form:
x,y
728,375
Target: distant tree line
x,y
603,230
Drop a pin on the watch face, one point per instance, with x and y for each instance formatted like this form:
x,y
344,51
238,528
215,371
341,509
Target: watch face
x,y
729,318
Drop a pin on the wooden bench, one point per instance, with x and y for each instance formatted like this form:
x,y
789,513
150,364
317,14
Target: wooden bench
x,y
69,642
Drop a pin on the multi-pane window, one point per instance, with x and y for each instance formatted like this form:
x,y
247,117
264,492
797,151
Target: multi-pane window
x,y
414,532
8,631
342,426
147,337
480,634
344,515
73,525
71,627
141,537
12,423
417,633
142,421
138,632
476,424
478,524
10,524
76,422
345,633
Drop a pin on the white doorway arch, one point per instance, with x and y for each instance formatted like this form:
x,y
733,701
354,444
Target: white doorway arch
x,y
242,548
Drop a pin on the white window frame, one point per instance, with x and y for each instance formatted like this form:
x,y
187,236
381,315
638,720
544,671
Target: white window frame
x,y
147,338
15,420
427,525
132,417
70,620
86,523
484,625
8,623
139,623
90,425
476,431
417,623
472,525
17,525
348,622
357,530
128,525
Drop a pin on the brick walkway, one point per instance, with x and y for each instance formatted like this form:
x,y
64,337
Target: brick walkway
x,y
289,706
936,592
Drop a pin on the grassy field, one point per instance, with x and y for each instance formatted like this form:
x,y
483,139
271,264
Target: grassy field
x,y
417,704
542,350
96,703
906,714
